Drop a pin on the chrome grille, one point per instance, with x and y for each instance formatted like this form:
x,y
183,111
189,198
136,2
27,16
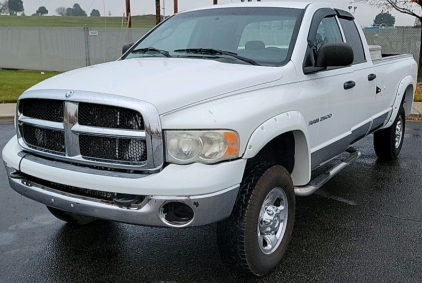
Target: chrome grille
x,y
43,139
43,109
106,116
116,149
110,134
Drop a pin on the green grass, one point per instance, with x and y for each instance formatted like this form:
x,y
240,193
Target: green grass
x,y
14,82
147,21
418,92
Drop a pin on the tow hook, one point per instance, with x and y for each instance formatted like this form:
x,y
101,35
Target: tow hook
x,y
127,200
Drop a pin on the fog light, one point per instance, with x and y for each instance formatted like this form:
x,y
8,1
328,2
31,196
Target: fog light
x,y
176,214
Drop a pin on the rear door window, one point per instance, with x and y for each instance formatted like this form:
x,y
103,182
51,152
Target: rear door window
x,y
353,39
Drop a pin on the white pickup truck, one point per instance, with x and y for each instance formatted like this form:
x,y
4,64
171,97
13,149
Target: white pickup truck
x,y
218,114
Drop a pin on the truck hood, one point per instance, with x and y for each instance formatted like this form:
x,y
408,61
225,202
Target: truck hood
x,y
168,83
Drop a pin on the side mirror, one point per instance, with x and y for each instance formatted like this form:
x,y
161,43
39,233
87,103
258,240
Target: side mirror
x,y
126,47
337,54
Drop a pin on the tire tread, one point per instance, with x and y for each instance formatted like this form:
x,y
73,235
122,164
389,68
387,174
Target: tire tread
x,y
384,140
231,231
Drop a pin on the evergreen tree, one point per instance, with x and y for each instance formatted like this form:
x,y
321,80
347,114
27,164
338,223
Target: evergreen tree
x,y
385,19
42,11
77,11
95,13
15,6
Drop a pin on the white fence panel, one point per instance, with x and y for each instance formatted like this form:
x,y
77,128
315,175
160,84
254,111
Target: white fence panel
x,y
62,49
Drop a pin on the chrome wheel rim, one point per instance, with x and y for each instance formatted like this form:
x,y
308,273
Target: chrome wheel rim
x,y
272,220
399,132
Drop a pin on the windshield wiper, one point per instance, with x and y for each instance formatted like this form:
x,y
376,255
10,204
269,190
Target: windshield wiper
x,y
144,50
211,51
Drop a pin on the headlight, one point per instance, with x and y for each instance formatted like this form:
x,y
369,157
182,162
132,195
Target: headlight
x,y
201,146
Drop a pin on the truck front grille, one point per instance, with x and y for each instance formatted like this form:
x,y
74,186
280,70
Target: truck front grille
x,y
126,150
43,109
109,117
43,139
101,135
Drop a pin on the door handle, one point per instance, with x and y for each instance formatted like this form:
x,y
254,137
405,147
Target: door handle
x,y
372,77
349,85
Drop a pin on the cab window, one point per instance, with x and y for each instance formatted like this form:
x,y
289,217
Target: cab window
x,y
328,31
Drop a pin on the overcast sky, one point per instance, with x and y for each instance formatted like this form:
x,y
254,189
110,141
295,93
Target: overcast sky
x,y
365,14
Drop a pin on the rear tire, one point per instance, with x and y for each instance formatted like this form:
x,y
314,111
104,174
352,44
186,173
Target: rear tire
x,y
388,142
71,218
254,238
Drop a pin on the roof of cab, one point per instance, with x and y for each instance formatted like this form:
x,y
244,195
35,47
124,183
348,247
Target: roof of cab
x,y
271,4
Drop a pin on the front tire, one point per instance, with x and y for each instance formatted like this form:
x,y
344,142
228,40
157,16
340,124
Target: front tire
x,y
71,218
388,142
254,238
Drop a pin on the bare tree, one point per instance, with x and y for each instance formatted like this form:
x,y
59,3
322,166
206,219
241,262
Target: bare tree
x,y
61,11
409,7
4,8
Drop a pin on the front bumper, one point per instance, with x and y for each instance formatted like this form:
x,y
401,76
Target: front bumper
x,y
209,191
206,208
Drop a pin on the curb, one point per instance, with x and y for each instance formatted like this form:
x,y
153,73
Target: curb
x,y
6,120
7,113
415,116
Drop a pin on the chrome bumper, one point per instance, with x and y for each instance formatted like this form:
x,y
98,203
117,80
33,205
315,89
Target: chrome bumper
x,y
206,208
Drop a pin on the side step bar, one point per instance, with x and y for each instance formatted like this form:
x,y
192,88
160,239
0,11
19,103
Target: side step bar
x,y
320,180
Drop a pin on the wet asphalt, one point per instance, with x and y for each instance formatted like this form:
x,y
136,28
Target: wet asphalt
x,y
365,225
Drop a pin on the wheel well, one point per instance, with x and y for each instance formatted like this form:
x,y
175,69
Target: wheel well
x,y
408,99
280,150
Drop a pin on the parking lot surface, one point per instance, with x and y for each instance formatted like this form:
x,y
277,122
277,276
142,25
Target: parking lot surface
x,y
365,225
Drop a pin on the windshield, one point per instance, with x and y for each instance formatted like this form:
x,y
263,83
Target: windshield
x,y
257,36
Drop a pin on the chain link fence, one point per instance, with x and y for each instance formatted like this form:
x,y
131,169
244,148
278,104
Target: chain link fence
x,y
63,49
396,40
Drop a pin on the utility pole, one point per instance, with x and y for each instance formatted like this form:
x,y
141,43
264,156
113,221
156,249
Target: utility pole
x,y
157,12
128,14
164,9
176,9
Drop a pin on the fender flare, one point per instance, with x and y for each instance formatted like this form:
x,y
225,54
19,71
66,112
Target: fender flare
x,y
402,91
294,122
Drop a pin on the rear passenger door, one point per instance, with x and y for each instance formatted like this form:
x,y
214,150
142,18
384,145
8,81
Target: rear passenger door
x,y
363,78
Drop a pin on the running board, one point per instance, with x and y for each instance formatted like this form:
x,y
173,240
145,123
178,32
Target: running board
x,y
319,181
